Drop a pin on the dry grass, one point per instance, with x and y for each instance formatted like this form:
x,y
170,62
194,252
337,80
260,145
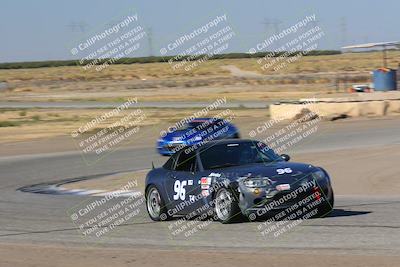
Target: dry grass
x,y
117,92
159,82
46,123
309,64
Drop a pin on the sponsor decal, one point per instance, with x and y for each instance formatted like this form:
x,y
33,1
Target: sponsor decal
x,y
282,187
205,182
317,194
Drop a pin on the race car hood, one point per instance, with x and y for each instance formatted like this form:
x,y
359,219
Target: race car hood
x,y
274,171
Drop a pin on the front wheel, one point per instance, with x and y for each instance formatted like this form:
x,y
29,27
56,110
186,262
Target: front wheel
x,y
327,207
155,205
226,207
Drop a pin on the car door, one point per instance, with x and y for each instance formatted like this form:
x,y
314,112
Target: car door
x,y
181,183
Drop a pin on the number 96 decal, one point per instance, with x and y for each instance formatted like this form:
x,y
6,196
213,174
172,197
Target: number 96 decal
x,y
180,191
285,170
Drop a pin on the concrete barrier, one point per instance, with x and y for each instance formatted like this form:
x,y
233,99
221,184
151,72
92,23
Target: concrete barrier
x,y
332,109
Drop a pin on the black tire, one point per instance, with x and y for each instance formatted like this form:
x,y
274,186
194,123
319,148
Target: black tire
x,y
162,215
326,207
227,210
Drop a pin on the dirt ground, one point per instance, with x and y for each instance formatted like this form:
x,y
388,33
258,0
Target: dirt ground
x,y
57,124
27,255
237,79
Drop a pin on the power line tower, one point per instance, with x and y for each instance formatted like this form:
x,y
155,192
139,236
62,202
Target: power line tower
x,y
343,30
267,25
275,23
112,23
315,23
78,26
150,40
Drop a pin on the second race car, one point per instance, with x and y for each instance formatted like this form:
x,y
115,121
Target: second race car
x,y
196,131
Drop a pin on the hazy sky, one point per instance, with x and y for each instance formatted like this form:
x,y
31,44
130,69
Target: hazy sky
x,y
33,30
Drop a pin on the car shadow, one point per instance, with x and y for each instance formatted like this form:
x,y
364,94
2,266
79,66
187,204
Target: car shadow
x,y
345,213
334,213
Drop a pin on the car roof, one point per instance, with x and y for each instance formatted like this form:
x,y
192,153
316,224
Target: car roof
x,y
204,119
225,142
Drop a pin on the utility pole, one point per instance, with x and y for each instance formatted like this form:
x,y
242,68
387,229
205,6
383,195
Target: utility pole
x,y
275,25
343,30
384,56
267,25
77,26
315,23
150,40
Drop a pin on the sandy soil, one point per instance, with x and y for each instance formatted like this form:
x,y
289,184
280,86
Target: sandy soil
x,y
234,78
367,171
51,124
26,255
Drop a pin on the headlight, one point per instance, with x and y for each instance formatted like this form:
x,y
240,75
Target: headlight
x,y
319,175
256,182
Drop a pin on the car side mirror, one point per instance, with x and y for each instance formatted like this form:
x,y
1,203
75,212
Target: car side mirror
x,y
285,157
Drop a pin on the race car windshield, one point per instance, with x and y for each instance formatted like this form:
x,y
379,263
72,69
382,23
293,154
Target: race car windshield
x,y
201,123
236,154
191,125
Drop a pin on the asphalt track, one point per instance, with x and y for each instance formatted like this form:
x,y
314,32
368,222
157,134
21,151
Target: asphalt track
x,y
358,225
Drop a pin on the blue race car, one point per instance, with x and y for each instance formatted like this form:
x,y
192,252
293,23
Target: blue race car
x,y
229,178
196,132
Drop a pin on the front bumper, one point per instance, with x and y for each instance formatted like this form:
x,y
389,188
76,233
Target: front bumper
x,y
262,201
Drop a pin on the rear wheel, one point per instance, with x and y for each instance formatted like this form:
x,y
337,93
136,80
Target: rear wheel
x,y
155,205
226,207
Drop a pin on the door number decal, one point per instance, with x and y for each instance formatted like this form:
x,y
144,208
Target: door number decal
x,y
179,189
